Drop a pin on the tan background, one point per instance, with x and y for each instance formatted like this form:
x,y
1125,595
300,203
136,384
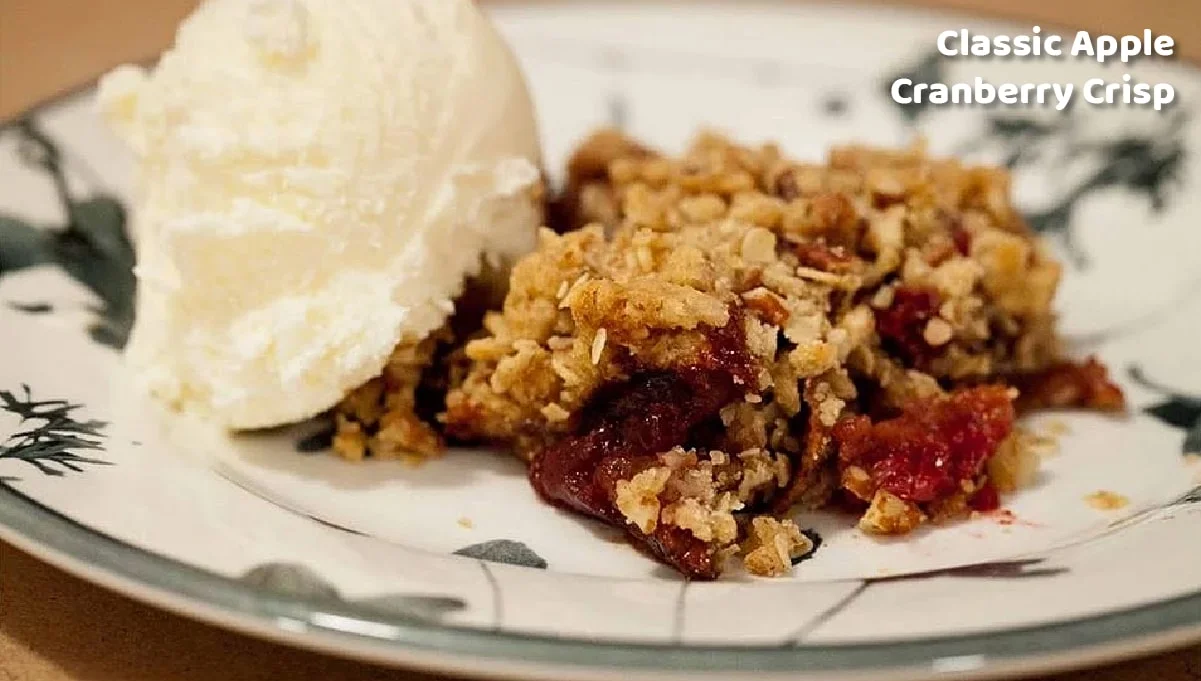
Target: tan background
x,y
48,46
55,627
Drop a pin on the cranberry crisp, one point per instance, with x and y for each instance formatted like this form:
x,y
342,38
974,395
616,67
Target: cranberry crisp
x,y
713,340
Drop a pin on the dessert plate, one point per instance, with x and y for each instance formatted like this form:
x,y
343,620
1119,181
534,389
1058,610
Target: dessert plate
x,y
455,565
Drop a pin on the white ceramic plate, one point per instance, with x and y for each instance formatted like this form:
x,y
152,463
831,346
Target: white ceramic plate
x,y
456,566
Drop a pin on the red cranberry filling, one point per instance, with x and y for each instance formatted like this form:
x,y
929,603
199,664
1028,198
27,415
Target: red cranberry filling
x,y
626,425
933,447
901,325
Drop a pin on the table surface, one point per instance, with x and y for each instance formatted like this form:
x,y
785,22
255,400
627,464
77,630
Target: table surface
x,y
54,626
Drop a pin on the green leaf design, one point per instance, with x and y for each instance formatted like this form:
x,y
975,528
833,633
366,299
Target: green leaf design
x,y
53,446
1149,163
23,245
92,248
1178,412
1192,441
291,579
32,308
1176,409
294,579
504,551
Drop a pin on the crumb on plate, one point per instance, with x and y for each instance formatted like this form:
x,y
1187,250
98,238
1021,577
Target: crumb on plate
x,y
1105,500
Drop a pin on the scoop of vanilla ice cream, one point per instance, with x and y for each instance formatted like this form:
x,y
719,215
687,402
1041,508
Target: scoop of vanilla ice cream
x,y
317,178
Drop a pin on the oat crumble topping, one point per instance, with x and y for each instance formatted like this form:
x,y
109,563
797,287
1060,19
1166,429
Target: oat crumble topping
x,y
712,340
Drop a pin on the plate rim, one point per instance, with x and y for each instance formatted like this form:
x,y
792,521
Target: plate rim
x,y
349,631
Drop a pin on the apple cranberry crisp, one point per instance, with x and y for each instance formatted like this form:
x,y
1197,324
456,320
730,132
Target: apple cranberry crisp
x,y
713,340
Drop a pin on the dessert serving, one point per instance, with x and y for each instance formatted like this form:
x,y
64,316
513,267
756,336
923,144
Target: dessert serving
x,y
694,348
576,340
730,334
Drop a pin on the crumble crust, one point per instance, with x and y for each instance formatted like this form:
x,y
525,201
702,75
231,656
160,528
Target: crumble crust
x,y
860,286
713,340
379,418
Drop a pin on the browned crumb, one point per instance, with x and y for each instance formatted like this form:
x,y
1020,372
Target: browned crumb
x,y
1068,384
772,545
1104,500
379,418
466,523
889,514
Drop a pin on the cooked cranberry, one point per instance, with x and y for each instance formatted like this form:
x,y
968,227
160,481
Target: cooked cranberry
x,y
902,324
624,427
985,499
933,447
962,239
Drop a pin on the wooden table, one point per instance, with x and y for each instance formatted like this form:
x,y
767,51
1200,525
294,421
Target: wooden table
x,y
54,626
